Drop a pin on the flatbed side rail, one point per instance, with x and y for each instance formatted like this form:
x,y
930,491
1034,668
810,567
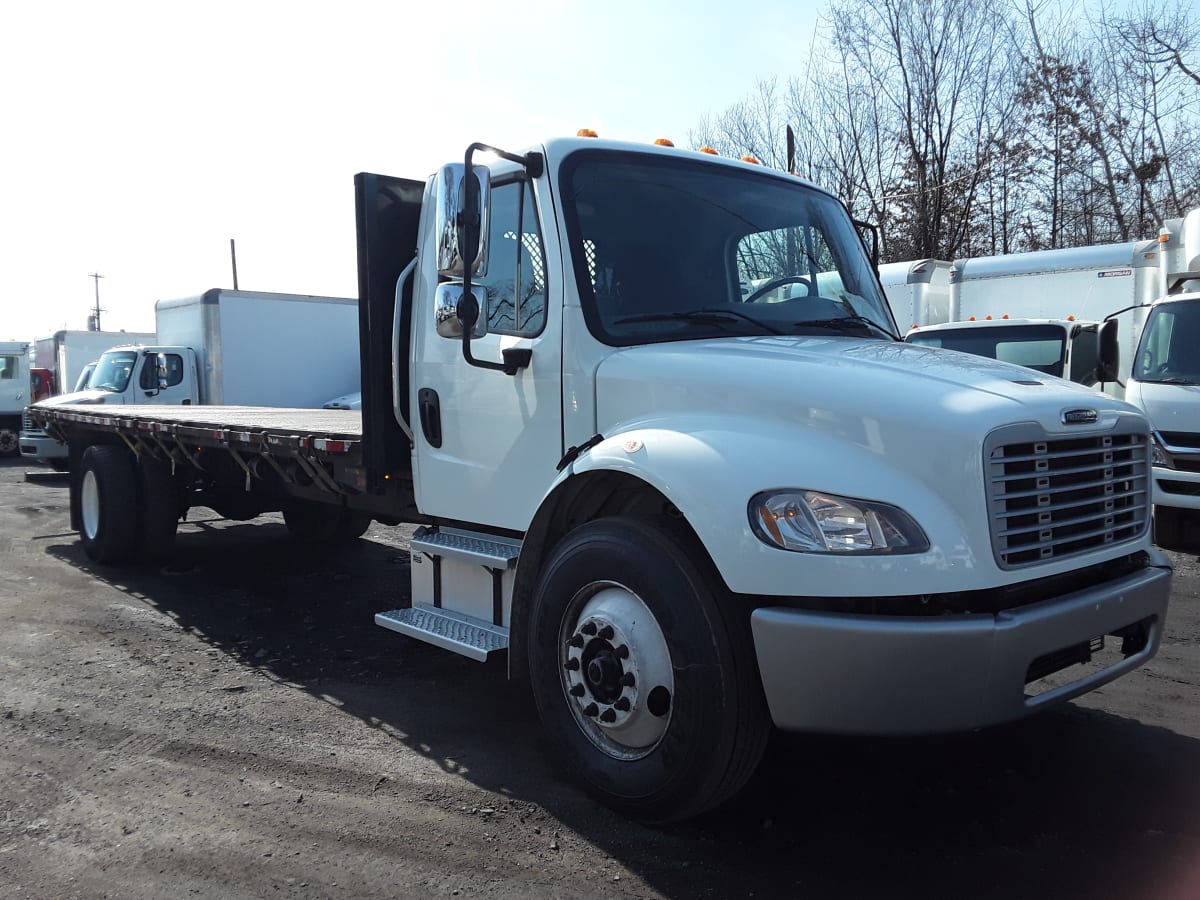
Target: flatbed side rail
x,y
180,439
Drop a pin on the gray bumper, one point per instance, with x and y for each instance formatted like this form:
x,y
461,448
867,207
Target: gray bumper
x,y
890,675
39,445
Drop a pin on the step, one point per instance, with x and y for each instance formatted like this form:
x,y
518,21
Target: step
x,y
482,549
465,635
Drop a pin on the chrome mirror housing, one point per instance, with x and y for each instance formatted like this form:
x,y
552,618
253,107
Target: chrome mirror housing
x,y
462,240
445,312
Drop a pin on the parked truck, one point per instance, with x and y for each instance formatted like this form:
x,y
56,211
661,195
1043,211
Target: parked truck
x,y
1156,369
244,348
1165,383
918,292
66,355
15,387
686,515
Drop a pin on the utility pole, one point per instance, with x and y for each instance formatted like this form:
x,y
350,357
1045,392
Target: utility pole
x,y
94,318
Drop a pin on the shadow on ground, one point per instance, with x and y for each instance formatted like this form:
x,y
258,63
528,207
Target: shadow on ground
x,y
1073,803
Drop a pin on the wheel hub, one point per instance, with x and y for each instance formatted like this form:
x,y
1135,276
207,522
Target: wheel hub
x,y
613,660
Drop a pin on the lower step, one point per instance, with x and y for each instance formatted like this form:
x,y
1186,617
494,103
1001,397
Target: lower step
x,y
466,635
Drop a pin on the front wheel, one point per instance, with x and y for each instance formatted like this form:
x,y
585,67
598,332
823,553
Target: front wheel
x,y
10,444
644,676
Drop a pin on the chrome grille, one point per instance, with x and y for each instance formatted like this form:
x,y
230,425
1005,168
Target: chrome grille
x,y
1055,497
26,420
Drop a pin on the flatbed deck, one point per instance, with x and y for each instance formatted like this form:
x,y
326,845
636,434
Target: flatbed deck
x,y
206,424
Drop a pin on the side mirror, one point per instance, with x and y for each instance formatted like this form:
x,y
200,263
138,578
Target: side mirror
x,y
445,313
462,203
1108,352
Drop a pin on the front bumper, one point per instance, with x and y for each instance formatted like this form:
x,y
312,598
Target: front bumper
x,y
891,675
1174,487
39,445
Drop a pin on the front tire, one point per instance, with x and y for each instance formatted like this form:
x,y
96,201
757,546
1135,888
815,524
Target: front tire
x,y
108,504
1169,526
644,675
10,443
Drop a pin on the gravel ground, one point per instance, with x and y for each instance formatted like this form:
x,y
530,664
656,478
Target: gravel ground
x,y
234,725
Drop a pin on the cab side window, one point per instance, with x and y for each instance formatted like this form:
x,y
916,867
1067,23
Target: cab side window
x,y
515,281
169,367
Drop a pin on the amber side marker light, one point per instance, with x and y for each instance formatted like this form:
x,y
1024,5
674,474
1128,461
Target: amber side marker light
x,y
711,151
664,142
586,132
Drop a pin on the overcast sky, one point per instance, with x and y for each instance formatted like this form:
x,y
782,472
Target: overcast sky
x,y
140,137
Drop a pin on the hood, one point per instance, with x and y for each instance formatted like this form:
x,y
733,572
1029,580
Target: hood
x,y
1169,407
837,383
78,398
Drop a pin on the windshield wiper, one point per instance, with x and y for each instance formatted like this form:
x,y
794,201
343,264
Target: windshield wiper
x,y
701,316
1172,379
848,323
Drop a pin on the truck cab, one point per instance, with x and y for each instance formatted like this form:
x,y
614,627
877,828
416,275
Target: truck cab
x,y
1165,383
139,374
15,389
122,375
1064,348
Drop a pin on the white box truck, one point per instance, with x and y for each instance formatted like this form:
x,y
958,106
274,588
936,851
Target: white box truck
x,y
1165,384
14,392
684,515
244,348
917,291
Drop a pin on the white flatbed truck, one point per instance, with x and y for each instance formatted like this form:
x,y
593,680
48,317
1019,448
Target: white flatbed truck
x,y
688,513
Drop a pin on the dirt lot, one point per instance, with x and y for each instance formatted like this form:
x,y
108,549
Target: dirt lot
x,y
234,725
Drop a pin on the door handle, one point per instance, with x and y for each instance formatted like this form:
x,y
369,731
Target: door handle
x,y
429,407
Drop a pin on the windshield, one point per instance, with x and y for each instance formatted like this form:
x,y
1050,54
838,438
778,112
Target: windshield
x,y
113,370
1039,347
1169,352
669,250
81,383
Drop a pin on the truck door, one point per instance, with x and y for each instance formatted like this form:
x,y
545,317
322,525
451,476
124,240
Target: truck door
x,y
486,443
166,377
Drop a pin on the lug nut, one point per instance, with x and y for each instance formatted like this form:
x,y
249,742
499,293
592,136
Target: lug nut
x,y
578,690
591,709
622,703
589,629
606,633
608,716
576,641
627,680
621,652
571,665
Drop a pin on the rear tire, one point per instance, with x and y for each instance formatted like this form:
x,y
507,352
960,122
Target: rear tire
x,y
318,523
644,675
158,505
108,504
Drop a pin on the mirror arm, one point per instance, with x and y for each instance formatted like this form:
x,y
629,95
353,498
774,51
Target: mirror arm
x,y
515,358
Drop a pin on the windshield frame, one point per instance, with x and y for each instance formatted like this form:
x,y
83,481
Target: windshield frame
x,y
720,310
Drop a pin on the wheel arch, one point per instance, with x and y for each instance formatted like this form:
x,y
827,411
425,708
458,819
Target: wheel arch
x,y
577,499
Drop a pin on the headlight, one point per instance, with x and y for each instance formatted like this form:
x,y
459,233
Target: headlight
x,y
816,522
1158,456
